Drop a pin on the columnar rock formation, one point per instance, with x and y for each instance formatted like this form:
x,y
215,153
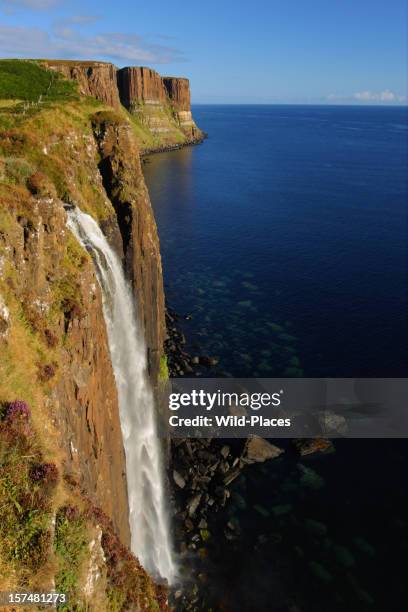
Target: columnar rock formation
x,y
140,86
178,91
160,104
97,79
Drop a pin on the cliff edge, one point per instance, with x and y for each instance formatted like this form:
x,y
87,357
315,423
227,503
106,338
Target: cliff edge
x,y
159,107
63,496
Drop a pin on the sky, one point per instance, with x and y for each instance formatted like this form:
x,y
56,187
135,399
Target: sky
x,y
233,51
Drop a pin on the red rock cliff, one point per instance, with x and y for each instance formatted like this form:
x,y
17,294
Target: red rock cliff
x,y
140,85
123,180
178,91
97,79
82,398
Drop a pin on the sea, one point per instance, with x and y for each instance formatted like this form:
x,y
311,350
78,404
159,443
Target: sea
x,y
284,239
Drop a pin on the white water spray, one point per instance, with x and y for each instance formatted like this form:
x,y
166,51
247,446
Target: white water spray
x,y
150,540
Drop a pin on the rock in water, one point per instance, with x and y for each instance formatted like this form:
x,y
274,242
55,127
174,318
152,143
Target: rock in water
x,y
179,480
193,504
259,450
313,445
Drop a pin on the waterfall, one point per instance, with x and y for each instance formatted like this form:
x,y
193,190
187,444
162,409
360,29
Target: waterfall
x,y
150,540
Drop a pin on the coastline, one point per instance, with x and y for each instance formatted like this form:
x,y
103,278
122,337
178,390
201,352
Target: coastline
x,y
173,147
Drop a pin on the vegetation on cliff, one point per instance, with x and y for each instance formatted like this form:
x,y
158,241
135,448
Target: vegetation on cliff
x,y
63,500
50,531
28,82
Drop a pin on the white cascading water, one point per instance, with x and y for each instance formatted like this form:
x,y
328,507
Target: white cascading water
x,y
150,540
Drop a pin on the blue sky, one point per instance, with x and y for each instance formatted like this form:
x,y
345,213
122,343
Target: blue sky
x,y
233,51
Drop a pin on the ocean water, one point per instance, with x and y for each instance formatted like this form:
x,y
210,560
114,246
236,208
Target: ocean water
x,y
285,237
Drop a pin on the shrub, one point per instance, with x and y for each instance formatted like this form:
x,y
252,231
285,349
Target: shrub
x,y
25,508
17,410
46,473
16,170
40,185
108,117
47,371
71,546
50,338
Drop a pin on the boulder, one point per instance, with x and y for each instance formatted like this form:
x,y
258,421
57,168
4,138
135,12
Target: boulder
x,y
259,450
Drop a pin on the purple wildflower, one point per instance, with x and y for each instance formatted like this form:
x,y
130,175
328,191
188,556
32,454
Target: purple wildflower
x,y
44,472
18,409
72,513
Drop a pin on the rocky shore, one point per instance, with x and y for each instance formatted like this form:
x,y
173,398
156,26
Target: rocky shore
x,y
202,474
179,361
165,148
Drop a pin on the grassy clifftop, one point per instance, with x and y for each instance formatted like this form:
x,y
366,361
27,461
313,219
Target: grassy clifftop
x,y
28,82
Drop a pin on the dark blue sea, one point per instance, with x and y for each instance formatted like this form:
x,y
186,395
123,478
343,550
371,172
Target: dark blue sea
x,y
285,237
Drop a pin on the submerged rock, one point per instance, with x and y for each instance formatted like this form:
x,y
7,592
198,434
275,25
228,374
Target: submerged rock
x,y
259,450
314,445
320,572
344,556
281,509
262,511
310,478
193,504
178,479
333,423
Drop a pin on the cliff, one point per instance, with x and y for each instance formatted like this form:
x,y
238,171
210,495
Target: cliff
x,y
159,107
124,184
140,86
62,454
97,79
160,104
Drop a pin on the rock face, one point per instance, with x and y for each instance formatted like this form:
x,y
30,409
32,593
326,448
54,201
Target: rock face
x,y
82,399
161,105
178,91
97,79
123,181
139,85
54,353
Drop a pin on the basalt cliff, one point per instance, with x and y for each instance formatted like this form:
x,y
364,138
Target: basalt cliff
x,y
159,106
71,134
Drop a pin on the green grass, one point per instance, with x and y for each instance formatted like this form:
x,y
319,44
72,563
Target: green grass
x,y
25,507
29,81
71,548
163,369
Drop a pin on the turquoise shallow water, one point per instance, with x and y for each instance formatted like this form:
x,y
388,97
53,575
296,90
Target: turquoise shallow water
x,y
284,235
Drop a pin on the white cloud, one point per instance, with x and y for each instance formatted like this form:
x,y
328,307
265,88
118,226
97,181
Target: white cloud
x,y
66,43
368,97
382,96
